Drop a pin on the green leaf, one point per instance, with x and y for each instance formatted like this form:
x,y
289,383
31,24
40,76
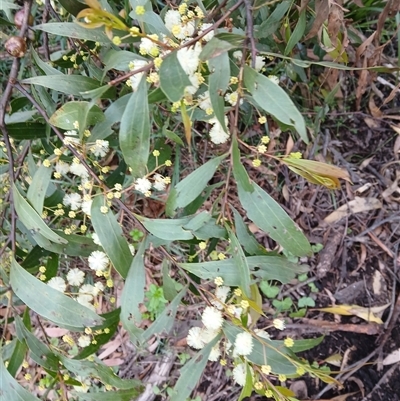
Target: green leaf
x,y
72,30
31,219
70,112
268,215
264,267
39,352
240,261
27,130
273,22
69,84
192,186
78,245
113,115
51,304
191,372
270,291
152,21
306,344
247,389
216,47
168,229
274,100
297,33
119,60
133,295
249,243
119,395
17,357
11,390
134,134
38,187
306,301
173,79
111,237
96,369
46,68
240,173
218,80
73,6
169,284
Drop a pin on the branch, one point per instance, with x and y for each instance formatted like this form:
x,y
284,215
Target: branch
x,y
3,107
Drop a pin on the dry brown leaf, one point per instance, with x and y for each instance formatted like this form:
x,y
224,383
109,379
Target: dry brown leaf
x,y
373,124
367,314
373,108
396,147
364,188
395,128
393,357
335,360
366,162
322,8
55,331
362,85
335,22
391,8
377,282
289,145
358,3
343,397
395,91
357,205
363,47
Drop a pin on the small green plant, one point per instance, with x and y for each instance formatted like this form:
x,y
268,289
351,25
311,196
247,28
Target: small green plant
x,y
155,302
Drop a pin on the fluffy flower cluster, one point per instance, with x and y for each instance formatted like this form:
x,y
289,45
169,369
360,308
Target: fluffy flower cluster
x,y
75,278
144,185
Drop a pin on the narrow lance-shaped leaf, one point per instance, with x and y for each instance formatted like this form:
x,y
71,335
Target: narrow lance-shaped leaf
x,y
69,84
218,83
274,100
191,373
40,352
317,172
173,79
267,214
297,33
134,135
51,304
88,368
37,190
268,268
168,229
133,295
240,262
239,171
111,237
11,390
31,219
192,186
70,112
73,30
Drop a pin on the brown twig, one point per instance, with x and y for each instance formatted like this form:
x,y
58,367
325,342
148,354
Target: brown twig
x,y
3,106
250,32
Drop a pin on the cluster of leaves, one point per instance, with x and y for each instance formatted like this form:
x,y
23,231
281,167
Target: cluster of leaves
x,y
88,141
